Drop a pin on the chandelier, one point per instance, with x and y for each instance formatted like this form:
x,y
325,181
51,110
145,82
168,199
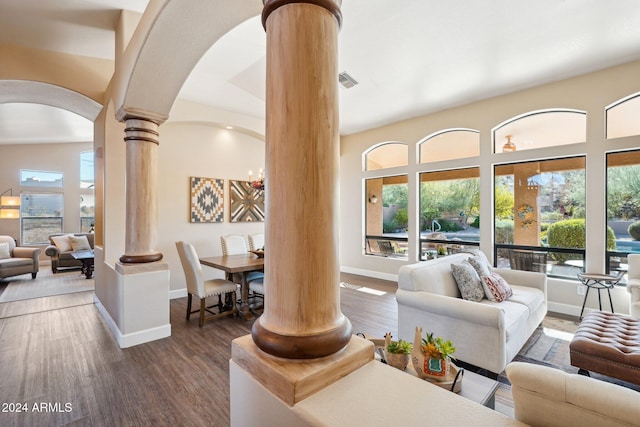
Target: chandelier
x,y
258,184
508,146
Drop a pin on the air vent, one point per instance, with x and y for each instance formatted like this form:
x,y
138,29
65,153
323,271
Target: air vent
x,y
346,80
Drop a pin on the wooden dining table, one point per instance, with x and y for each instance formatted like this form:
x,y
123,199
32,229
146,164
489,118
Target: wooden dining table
x,y
243,264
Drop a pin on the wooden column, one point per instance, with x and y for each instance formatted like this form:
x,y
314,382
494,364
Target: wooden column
x,y
141,238
302,317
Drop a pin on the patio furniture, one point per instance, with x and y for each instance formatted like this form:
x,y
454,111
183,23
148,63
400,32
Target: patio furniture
x,y
528,260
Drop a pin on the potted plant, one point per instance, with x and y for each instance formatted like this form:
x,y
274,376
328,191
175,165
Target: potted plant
x,y
432,356
396,353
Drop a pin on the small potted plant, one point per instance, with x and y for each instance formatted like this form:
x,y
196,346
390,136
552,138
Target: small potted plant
x,y
396,353
432,356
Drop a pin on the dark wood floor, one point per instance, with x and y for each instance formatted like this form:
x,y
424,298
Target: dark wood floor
x,y
64,356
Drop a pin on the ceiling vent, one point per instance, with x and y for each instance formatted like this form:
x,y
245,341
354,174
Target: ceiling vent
x,y
346,80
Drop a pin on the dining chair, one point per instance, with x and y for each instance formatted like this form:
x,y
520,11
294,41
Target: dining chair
x,y
233,244
256,241
196,285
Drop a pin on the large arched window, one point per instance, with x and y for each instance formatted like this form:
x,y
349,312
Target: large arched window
x,y
386,155
622,117
538,129
449,144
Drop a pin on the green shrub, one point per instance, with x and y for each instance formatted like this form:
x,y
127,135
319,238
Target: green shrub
x,y
634,230
446,225
570,233
476,222
504,231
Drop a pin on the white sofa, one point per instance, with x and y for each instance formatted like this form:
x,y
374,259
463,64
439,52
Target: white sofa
x,y
544,396
486,334
633,284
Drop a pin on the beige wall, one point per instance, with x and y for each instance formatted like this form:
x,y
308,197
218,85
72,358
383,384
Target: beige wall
x,y
63,158
88,76
591,93
193,149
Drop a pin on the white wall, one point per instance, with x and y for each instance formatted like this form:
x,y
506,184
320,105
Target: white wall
x,y
196,149
591,93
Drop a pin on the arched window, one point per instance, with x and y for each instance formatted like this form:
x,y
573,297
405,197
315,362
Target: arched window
x,y
622,117
540,129
449,144
386,155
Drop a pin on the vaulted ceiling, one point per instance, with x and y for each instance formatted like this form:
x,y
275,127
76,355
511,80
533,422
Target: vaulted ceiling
x,y
410,57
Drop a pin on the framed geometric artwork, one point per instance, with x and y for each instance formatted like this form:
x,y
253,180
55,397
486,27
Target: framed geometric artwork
x,y
247,203
207,200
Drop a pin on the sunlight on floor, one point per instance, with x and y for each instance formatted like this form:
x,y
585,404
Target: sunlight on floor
x,y
371,291
553,333
362,289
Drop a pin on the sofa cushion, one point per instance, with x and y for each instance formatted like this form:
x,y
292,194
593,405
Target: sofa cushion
x,y
531,298
496,288
62,242
4,251
468,281
515,317
79,243
15,262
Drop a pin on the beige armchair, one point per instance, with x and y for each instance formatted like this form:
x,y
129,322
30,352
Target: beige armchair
x,y
16,260
633,284
549,397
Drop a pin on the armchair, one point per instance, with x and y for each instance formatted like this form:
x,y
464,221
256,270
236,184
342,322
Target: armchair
x,y
544,396
633,284
16,260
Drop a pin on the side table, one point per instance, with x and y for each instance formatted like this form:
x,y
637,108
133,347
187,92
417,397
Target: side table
x,y
599,282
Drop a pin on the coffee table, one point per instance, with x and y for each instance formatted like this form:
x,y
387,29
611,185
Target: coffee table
x,y
475,387
86,258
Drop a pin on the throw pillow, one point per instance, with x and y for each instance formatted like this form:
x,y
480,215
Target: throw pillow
x,y
79,243
468,281
62,242
481,265
4,251
496,288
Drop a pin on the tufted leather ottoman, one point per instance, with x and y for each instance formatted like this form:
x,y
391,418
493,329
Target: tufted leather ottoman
x,y
609,344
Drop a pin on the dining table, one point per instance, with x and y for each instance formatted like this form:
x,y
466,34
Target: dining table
x,y
243,264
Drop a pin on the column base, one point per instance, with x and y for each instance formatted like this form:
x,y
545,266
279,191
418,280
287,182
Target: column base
x,y
140,259
295,380
302,346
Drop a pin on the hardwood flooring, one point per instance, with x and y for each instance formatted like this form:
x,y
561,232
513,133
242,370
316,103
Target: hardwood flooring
x,y
58,356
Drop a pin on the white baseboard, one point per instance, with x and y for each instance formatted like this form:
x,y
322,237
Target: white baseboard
x,y
178,293
370,273
568,309
129,340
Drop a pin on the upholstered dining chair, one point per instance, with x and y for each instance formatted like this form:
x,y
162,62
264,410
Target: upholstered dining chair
x,y
256,241
233,244
196,285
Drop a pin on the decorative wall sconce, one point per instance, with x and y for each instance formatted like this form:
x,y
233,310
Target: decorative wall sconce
x,y
9,205
373,199
508,146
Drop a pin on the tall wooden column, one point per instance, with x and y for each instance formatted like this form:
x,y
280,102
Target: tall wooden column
x,y
141,238
302,317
